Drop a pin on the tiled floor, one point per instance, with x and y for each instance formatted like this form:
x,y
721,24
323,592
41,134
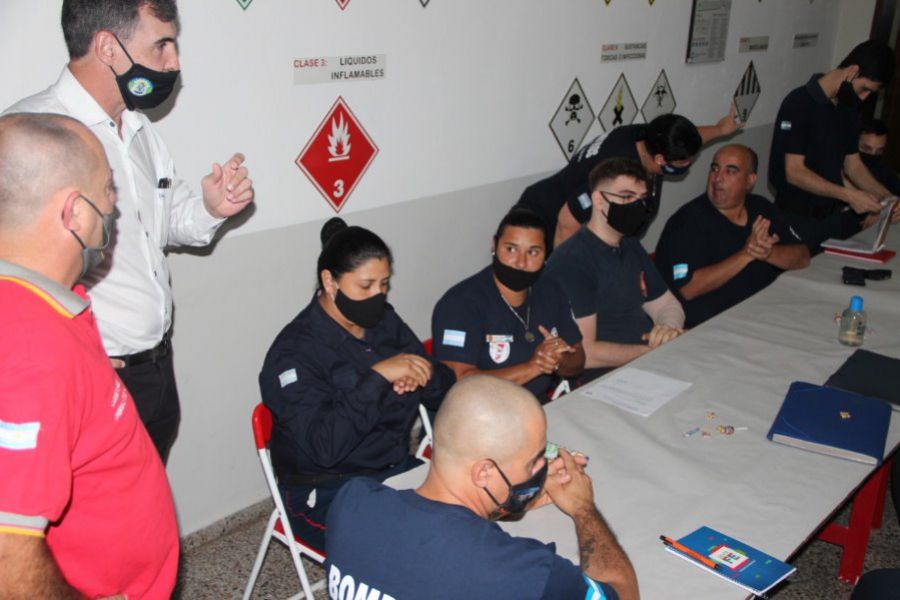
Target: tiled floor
x,y
219,568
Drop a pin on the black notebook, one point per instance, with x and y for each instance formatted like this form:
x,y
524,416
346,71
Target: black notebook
x,y
869,374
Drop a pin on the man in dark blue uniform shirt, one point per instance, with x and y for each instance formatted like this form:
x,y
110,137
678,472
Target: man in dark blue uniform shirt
x,y
508,320
440,542
665,146
815,143
619,299
727,244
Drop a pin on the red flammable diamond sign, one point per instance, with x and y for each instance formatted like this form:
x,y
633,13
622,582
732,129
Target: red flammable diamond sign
x,y
338,154
342,3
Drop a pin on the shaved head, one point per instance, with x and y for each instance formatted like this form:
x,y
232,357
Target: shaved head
x,y
39,155
484,417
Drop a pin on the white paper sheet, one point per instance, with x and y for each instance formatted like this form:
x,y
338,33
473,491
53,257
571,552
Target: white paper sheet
x,y
639,392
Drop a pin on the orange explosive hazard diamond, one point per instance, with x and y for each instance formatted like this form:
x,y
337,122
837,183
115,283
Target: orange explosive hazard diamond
x,y
337,155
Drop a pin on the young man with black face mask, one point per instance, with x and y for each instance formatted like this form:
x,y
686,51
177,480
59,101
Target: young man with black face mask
x,y
489,461
620,301
123,57
665,147
507,320
872,140
815,143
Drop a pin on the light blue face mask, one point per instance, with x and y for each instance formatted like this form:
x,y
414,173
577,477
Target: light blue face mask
x,y
668,169
91,257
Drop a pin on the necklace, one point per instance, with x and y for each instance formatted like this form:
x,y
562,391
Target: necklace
x,y
529,337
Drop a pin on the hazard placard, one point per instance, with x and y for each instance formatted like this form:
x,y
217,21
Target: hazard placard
x,y
572,120
342,3
337,155
660,100
620,108
746,94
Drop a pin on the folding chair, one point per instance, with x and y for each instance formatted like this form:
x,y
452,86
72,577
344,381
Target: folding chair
x,y
278,528
424,450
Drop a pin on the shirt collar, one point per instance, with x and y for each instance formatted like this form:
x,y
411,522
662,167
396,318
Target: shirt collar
x,y
331,333
53,292
815,90
85,108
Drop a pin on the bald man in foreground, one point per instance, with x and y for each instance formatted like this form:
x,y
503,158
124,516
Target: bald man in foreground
x,y
85,508
727,244
440,542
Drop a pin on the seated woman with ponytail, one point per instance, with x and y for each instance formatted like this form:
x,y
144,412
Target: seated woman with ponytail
x,y
344,380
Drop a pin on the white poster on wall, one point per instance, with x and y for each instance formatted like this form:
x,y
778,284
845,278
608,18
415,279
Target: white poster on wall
x,y
571,121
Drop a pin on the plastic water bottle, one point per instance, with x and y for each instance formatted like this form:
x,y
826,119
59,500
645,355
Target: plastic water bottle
x,y
853,323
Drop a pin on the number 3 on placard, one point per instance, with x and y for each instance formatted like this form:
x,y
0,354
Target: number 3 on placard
x,y
338,188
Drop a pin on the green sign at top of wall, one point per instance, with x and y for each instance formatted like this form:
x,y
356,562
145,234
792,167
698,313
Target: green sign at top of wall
x,y
244,3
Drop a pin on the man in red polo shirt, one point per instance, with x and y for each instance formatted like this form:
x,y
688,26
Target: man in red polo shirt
x,y
85,508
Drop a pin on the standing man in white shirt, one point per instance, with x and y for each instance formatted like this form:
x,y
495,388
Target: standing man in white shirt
x,y
124,58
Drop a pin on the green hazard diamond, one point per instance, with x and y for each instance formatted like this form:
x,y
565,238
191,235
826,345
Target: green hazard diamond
x,y
244,3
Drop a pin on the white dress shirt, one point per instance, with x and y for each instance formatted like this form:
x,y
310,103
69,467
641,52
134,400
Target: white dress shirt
x,y
130,292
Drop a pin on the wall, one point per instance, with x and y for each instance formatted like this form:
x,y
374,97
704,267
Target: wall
x,y
855,17
461,123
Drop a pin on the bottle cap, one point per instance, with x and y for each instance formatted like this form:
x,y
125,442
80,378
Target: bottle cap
x,y
856,303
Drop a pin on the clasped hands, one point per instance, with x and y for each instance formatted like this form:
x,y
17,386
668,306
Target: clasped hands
x,y
759,244
549,353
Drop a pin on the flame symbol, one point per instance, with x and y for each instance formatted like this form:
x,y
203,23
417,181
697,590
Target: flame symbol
x,y
339,140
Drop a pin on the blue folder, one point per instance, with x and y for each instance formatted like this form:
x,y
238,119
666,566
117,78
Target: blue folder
x,y
833,422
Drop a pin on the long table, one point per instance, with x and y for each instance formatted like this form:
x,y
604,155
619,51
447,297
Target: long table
x,y
649,479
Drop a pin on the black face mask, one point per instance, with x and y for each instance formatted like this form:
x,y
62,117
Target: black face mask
x,y
515,279
142,87
668,169
846,96
365,313
520,495
870,160
628,219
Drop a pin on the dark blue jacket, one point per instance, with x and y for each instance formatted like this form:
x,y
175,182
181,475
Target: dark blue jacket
x,y
332,412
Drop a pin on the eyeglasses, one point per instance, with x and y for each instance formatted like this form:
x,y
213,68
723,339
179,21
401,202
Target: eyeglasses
x,y
628,198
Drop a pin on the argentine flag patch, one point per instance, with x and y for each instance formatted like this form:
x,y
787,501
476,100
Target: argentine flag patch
x,y
288,377
585,201
19,436
594,591
454,337
679,271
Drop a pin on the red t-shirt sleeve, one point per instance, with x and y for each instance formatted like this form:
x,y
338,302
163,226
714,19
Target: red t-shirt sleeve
x,y
35,432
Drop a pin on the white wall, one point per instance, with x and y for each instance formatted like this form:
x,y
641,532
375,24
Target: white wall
x,y
461,123
855,18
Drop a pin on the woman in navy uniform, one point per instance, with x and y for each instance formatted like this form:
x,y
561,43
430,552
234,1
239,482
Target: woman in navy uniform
x,y
344,380
508,321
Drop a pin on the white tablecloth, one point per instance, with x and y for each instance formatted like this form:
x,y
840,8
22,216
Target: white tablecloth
x,y
649,479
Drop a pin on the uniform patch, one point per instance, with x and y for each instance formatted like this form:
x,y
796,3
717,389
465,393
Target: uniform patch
x,y
288,377
454,337
496,337
19,436
585,201
785,125
594,591
499,351
679,271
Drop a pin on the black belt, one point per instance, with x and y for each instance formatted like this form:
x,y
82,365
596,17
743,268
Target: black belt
x,y
301,479
152,355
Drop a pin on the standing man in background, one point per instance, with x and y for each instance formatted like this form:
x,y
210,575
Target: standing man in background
x,y
665,147
816,142
123,57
